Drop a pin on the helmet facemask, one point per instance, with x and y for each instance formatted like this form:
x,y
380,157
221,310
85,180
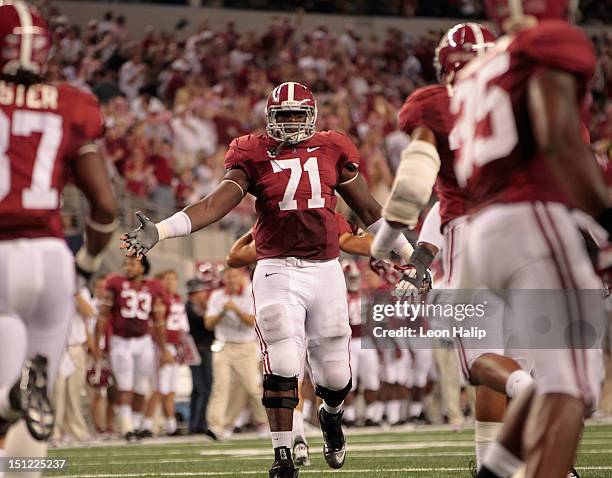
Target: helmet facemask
x,y
291,132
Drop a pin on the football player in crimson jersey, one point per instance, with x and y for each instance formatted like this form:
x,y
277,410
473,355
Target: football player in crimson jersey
x,y
299,291
425,116
525,166
132,304
165,377
46,132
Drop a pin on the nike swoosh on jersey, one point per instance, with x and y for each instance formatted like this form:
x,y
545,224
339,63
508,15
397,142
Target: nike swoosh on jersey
x,y
310,150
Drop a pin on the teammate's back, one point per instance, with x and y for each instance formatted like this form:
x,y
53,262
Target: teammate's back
x,y
43,128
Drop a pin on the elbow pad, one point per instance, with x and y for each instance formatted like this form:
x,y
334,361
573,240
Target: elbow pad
x,y
413,183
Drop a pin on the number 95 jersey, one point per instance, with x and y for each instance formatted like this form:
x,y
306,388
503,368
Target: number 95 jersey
x,y
498,160
295,192
42,128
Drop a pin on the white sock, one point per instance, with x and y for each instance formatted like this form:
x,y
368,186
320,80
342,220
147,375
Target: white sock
x,y
332,410
415,409
281,439
350,413
298,424
307,409
485,434
517,382
393,411
125,419
500,461
371,411
137,420
147,423
170,425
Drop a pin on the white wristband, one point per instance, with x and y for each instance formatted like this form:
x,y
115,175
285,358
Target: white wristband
x,y
430,232
177,225
389,239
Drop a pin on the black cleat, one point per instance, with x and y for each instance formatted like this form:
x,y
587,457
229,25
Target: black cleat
x,y
334,444
300,452
144,434
573,473
35,404
131,437
283,464
371,423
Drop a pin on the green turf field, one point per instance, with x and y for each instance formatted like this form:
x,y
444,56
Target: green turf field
x,y
406,453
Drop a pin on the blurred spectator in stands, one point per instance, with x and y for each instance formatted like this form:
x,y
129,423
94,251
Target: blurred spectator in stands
x,y
194,133
132,76
201,375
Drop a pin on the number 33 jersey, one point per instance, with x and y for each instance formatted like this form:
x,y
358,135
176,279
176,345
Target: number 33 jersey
x,y
42,128
295,192
498,160
133,305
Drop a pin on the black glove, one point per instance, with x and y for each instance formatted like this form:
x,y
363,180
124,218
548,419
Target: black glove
x,y
416,277
141,240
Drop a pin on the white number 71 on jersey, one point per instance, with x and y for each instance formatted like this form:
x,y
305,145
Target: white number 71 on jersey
x,y
311,166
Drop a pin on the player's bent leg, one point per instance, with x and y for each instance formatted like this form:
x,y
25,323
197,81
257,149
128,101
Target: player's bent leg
x,y
330,419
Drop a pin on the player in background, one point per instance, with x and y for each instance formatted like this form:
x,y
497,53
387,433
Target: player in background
x,y
165,377
365,363
352,241
46,133
133,303
525,165
294,172
428,163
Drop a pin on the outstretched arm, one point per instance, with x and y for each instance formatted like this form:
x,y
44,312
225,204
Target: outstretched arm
x,y
411,189
226,196
355,192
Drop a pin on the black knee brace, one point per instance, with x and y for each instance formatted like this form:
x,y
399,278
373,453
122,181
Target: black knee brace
x,y
333,397
276,383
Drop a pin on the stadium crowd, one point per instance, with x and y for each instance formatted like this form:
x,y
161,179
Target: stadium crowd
x,y
173,102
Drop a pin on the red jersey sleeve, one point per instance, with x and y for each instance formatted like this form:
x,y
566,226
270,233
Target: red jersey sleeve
x,y
113,284
235,158
557,45
343,225
349,154
88,122
426,107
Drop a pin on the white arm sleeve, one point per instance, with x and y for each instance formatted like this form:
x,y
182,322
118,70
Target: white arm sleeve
x,y
175,226
388,239
430,232
413,183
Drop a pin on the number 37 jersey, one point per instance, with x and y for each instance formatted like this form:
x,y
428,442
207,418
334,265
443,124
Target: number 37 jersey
x,y
498,160
42,128
295,192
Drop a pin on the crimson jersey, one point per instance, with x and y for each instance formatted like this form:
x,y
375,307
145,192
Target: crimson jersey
x,y
132,309
429,107
295,192
354,311
498,160
176,320
42,128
